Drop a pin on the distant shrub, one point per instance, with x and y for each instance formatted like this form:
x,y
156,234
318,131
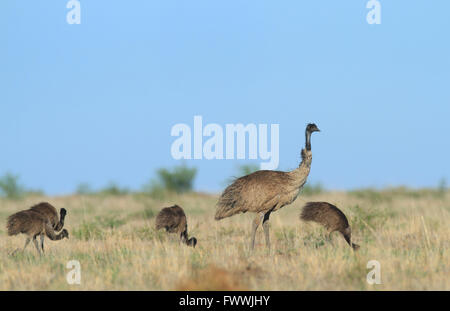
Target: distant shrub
x,y
10,187
179,180
113,189
311,189
84,189
442,186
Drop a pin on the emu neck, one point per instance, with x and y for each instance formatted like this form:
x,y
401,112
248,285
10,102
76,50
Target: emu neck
x,y
60,225
55,237
300,174
59,236
184,237
308,141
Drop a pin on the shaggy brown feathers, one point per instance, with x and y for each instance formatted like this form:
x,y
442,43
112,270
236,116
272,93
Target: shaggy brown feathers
x,y
263,190
173,219
50,212
329,216
33,224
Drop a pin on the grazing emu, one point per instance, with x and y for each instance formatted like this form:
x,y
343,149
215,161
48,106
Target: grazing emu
x,y
329,216
173,220
264,192
50,212
33,224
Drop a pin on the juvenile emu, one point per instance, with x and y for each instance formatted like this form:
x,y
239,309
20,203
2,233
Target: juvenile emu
x,y
329,216
173,220
264,192
33,224
49,211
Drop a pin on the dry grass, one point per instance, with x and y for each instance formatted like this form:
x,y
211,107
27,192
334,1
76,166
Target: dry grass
x,y
113,238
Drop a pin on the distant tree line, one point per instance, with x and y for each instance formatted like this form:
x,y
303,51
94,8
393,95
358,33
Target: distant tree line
x,y
177,180
11,188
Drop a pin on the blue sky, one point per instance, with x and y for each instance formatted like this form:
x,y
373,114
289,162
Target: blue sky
x,y
95,102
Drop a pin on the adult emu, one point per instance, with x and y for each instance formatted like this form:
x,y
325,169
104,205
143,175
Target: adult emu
x,y
264,192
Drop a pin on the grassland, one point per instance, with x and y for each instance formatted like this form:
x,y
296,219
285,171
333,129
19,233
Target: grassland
x,y
113,238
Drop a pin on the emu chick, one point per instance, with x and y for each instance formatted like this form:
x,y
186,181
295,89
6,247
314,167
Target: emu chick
x,y
329,216
33,224
173,219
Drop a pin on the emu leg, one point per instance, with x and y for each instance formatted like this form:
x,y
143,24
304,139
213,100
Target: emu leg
x,y
266,228
255,226
36,244
27,241
42,242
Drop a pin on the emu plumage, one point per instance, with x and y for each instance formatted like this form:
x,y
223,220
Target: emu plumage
x,y
265,191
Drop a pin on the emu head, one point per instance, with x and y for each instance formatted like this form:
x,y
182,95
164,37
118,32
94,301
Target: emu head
x,y
355,246
311,128
63,212
65,234
192,242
